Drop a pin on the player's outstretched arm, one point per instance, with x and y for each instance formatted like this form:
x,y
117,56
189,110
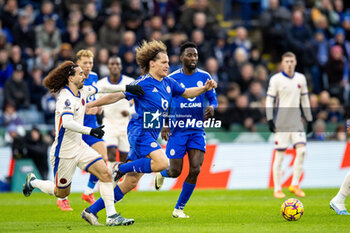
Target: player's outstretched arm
x,y
196,91
107,99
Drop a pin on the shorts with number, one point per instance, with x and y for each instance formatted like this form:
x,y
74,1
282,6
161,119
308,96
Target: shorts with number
x,y
117,140
282,139
179,144
64,168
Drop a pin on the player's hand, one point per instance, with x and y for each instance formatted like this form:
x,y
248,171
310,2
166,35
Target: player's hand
x,y
210,84
97,132
272,126
209,112
134,89
165,133
309,127
125,113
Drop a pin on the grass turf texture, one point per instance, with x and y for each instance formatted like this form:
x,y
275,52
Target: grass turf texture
x,y
209,210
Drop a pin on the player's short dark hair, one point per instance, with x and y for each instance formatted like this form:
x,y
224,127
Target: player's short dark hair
x,y
186,45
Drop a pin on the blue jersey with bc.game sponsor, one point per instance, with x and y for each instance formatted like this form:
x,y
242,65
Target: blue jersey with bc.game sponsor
x,y
190,110
91,120
151,107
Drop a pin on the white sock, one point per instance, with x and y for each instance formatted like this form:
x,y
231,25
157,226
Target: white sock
x,y
107,194
88,191
45,186
298,165
277,170
345,187
110,165
339,198
62,199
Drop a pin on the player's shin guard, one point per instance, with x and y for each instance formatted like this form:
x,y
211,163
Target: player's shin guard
x,y
345,188
277,169
100,205
298,164
106,190
45,186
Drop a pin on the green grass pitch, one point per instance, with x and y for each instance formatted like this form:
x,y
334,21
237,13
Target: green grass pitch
x,y
209,210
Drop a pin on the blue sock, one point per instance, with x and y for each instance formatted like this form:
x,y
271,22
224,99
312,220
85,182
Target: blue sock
x,y
92,181
164,173
100,204
187,190
139,165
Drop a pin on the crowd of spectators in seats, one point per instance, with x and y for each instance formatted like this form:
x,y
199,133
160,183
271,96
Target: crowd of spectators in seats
x,y
35,37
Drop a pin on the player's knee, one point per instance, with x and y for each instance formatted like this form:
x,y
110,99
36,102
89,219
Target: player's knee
x,y
111,156
174,172
194,171
105,175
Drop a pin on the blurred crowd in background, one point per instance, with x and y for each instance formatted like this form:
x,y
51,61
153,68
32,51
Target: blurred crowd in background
x,y
36,36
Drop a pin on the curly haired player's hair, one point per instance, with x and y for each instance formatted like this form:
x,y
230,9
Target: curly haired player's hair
x,y
58,78
149,51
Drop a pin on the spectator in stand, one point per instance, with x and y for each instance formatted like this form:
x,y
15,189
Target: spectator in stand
x,y
6,69
128,43
221,77
199,21
72,35
261,74
255,93
298,38
36,149
233,91
10,115
204,47
325,8
339,134
36,89
133,17
111,33
48,36
339,8
319,132
274,22
7,32
155,24
241,40
345,23
16,58
335,111
246,76
16,89
24,34
337,72
44,62
239,58
339,39
244,115
9,14
320,52
47,11
221,50
315,109
223,112
65,53
48,104
90,40
130,67
255,57
90,14
101,65
174,43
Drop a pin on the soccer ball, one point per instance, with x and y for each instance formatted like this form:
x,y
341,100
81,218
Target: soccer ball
x,y
292,209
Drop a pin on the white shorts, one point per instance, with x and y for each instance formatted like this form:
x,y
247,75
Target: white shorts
x,y
282,139
120,141
64,168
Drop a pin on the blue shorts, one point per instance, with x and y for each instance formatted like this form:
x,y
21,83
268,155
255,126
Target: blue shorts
x,y
141,145
90,140
180,143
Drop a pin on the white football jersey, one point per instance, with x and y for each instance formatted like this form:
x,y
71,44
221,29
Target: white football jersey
x,y
288,91
113,119
66,141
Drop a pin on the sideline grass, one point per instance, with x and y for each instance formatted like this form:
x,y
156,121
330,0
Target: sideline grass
x,y
209,210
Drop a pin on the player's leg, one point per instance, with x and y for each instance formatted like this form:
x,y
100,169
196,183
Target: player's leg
x,y
281,143
88,194
112,156
129,182
196,158
173,171
338,202
299,142
123,147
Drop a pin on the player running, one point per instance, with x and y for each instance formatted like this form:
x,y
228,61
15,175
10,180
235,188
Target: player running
x,y
288,88
116,116
146,155
186,139
69,150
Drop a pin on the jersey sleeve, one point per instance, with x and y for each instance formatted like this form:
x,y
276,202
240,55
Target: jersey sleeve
x,y
272,89
65,105
89,90
176,88
304,90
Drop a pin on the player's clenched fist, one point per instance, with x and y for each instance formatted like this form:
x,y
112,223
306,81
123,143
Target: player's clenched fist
x,y
210,84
